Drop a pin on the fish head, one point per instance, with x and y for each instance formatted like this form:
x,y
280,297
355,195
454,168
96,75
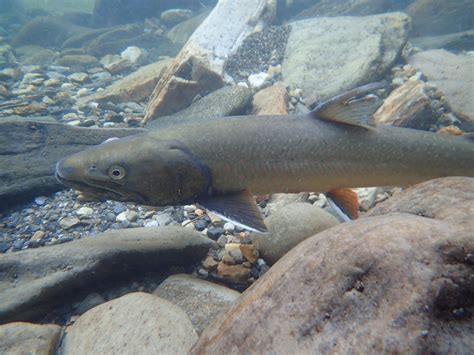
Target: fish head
x,y
136,168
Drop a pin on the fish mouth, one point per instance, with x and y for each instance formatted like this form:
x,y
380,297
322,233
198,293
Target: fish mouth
x,y
89,188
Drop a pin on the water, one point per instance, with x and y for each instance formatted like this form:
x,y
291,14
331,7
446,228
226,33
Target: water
x,y
74,73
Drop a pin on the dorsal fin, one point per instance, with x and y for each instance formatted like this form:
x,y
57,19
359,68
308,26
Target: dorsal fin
x,y
354,107
347,201
238,208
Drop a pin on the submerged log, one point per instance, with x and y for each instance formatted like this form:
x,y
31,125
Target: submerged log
x,y
29,150
199,67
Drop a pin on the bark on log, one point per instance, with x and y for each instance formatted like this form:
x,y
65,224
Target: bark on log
x,y
29,150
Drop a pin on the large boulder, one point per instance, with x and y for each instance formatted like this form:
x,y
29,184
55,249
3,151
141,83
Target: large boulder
x,y
30,149
135,323
326,56
36,280
202,301
289,226
452,74
396,283
28,338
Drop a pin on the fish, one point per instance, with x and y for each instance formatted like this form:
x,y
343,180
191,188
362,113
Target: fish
x,y
222,163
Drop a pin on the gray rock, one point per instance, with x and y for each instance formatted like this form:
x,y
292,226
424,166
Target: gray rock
x,y
452,74
396,283
35,280
77,60
432,17
228,101
278,201
326,56
28,338
202,301
289,226
135,323
453,41
24,142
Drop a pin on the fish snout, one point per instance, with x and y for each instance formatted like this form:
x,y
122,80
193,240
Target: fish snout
x,y
65,171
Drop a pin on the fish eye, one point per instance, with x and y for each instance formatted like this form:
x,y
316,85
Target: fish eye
x,y
117,172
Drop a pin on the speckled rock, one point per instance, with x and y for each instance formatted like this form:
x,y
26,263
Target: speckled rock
x,y
326,56
202,301
28,338
135,323
289,226
33,281
396,283
228,101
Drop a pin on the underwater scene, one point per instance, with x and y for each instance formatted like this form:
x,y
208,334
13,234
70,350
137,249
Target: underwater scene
x,y
236,177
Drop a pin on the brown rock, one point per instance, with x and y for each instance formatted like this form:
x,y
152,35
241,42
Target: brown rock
x,y
77,60
388,284
134,87
407,106
250,252
210,264
452,74
30,109
234,272
451,130
271,101
450,199
28,338
135,323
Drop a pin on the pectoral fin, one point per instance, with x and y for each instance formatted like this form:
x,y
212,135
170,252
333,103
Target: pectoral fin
x,y
345,202
239,208
354,107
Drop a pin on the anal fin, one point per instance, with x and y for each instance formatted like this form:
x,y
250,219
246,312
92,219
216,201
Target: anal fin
x,y
347,201
238,208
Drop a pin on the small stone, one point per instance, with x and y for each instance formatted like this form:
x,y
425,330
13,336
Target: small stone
x,y
250,252
133,54
119,66
152,224
37,236
18,244
229,227
79,77
84,211
210,264
174,16
129,215
190,208
4,247
118,208
72,116
222,241
228,259
40,200
75,123
215,232
82,92
257,81
234,272
52,82
69,222
198,212
163,219
200,224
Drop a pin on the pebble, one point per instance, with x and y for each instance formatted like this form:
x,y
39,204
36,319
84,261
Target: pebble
x,y
84,211
215,232
40,200
38,236
200,224
189,208
229,227
130,216
222,241
69,222
79,77
257,81
133,54
163,219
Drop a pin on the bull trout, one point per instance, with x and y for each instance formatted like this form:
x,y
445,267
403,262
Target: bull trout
x,y
223,162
